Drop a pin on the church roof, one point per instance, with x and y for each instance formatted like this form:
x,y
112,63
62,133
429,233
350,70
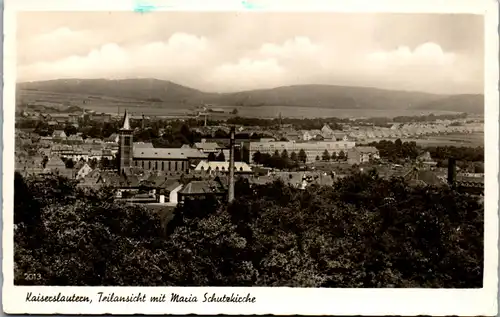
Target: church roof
x,y
167,153
126,121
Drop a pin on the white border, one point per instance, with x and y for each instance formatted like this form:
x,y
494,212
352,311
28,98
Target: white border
x,y
471,302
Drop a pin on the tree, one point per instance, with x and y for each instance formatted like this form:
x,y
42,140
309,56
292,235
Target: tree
x,y
302,156
326,156
294,157
221,134
342,156
318,158
245,154
334,156
70,129
105,163
221,157
284,155
211,156
398,143
235,111
69,163
479,168
237,155
93,163
257,157
363,231
45,161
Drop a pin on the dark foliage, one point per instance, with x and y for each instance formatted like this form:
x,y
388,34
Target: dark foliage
x,y
362,232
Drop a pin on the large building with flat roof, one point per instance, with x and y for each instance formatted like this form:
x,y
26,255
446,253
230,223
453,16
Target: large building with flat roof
x,y
312,149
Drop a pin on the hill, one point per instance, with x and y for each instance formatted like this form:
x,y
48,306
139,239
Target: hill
x,y
172,95
459,103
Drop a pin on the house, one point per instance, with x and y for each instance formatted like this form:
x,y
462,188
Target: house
x,y
419,177
340,136
171,193
208,147
82,170
74,139
58,134
426,159
57,166
143,145
362,154
202,189
326,131
222,167
113,138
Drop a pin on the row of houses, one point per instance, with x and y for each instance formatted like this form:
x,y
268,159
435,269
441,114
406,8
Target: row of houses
x,y
402,130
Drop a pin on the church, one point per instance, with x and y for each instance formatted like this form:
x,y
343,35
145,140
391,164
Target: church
x,y
169,160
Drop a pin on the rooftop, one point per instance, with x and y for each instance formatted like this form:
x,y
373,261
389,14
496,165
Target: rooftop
x,y
167,153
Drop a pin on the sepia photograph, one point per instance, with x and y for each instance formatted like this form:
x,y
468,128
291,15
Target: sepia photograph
x,y
248,149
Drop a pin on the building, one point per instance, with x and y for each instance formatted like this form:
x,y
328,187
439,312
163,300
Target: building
x,y
179,160
101,117
326,131
59,135
74,139
208,147
426,160
57,166
195,190
113,138
362,154
126,146
166,159
312,149
222,167
82,170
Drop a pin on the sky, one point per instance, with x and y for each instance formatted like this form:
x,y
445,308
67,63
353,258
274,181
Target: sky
x,y
230,51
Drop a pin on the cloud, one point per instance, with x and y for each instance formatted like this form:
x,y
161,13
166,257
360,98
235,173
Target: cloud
x,y
427,54
180,53
299,46
225,50
56,35
428,65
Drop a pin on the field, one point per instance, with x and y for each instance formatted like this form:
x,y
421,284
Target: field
x,y
137,107
458,139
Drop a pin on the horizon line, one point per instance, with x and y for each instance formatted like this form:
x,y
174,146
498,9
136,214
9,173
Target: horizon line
x,y
245,90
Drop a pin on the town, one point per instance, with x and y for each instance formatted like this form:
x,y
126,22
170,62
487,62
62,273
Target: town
x,y
108,154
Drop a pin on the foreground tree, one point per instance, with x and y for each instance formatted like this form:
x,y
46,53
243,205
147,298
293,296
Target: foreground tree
x,y
363,231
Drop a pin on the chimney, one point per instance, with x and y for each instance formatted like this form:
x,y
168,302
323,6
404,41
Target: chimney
x,y
142,123
452,171
231,166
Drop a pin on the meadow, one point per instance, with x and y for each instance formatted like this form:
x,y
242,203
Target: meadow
x,y
455,139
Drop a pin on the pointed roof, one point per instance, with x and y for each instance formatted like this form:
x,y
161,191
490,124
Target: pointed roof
x,y
126,122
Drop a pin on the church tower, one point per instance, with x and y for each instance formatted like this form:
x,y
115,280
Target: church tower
x,y
126,144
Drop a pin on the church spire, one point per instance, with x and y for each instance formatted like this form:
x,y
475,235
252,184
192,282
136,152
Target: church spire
x,y
126,121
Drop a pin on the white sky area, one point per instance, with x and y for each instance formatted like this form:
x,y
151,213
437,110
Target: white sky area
x,y
241,51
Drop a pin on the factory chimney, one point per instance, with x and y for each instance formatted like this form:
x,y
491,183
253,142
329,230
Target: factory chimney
x,y
452,171
231,166
142,123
